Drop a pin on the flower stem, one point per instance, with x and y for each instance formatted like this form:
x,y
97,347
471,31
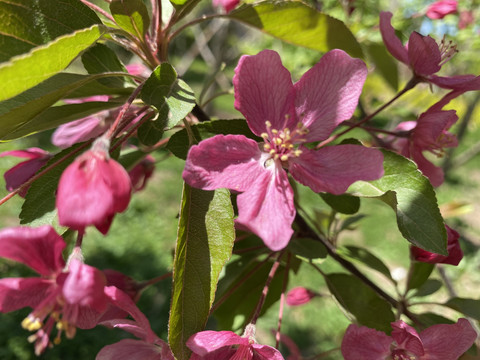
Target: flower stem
x,y
155,280
410,85
282,301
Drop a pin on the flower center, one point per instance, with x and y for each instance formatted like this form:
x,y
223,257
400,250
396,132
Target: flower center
x,y
447,50
400,354
280,144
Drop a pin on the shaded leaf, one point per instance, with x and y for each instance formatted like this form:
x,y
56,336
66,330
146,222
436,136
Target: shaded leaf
x,y
468,307
428,288
204,244
368,308
131,16
411,196
298,24
307,249
171,96
365,257
17,113
179,142
384,63
148,133
419,273
25,24
25,71
344,204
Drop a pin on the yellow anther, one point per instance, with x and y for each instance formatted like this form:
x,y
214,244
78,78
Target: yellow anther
x,y
264,135
284,157
276,157
278,141
266,147
57,341
31,324
297,153
271,152
274,131
60,325
290,146
32,338
268,123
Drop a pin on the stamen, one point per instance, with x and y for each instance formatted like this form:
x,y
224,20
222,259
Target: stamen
x,y
31,324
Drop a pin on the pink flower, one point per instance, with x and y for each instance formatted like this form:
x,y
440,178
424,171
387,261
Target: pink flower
x,y
227,5
66,296
466,19
150,347
438,342
92,190
299,296
142,172
286,116
455,253
424,56
442,8
224,345
22,172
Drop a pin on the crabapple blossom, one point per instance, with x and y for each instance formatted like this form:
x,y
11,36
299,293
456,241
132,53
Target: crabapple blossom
x,y
22,172
438,342
93,189
299,296
141,173
424,56
223,345
286,116
455,253
442,8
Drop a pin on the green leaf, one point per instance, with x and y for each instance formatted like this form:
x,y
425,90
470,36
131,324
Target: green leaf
x,y
419,273
344,204
149,134
179,143
16,113
131,16
384,63
25,24
25,71
298,24
204,244
182,8
58,115
39,206
307,249
101,59
171,96
365,257
428,288
411,196
468,307
245,279
358,299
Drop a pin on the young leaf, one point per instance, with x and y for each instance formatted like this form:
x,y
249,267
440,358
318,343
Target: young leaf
x,y
39,206
101,59
344,204
182,8
204,244
298,24
358,299
171,96
16,113
25,71
131,16
412,197
25,24
179,143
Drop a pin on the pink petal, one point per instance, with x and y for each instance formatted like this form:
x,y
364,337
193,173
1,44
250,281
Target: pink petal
x,y
458,82
299,296
127,325
129,349
455,253
264,91
80,130
407,338
205,342
431,129
392,42
267,209
265,352
30,153
39,248
434,173
448,342
333,169
228,5
84,286
231,161
424,54
17,293
328,93
362,343
440,9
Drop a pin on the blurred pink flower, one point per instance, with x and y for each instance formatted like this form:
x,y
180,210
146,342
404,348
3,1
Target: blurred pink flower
x,y
299,296
220,345
455,253
142,172
438,342
22,172
69,296
442,8
227,5
150,347
286,116
466,19
92,190
425,57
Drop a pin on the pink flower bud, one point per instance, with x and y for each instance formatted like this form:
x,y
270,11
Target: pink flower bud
x,y
440,9
142,172
228,5
92,190
455,253
299,296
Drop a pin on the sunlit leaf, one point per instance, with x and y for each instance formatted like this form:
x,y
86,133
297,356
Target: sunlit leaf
x,y
131,15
